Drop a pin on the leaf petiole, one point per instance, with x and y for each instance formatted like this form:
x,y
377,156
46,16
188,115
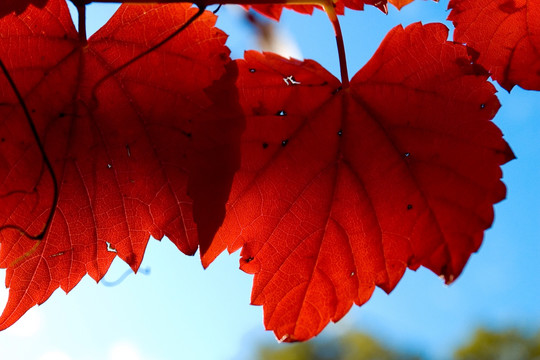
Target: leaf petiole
x,y
330,10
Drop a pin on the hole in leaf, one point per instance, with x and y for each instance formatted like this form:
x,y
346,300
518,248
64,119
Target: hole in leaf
x,y
340,132
290,80
281,113
252,70
409,206
284,142
110,247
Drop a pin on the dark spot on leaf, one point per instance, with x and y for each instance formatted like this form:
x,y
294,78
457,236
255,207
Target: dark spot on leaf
x,y
131,260
264,145
509,7
3,139
61,115
281,113
284,142
33,111
187,134
473,54
463,62
409,206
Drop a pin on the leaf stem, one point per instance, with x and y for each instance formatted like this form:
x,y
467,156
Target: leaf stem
x,y
81,9
46,160
332,15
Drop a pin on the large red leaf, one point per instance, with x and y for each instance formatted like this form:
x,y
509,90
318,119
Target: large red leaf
x,y
506,34
126,151
341,190
18,6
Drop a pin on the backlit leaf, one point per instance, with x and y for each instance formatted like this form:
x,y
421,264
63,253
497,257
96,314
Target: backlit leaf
x,y
340,190
126,151
506,36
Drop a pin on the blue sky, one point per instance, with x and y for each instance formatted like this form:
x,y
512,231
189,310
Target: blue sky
x,y
180,311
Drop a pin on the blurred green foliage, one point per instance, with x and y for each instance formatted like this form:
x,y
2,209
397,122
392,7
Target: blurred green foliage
x,y
510,344
351,346
485,344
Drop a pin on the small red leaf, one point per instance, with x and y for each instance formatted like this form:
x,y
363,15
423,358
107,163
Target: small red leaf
x,y
18,6
273,11
341,190
400,3
506,35
126,151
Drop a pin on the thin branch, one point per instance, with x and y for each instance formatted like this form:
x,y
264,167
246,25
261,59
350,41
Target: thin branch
x,y
46,160
148,51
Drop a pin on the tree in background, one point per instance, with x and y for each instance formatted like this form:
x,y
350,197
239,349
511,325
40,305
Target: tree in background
x,y
349,346
485,344
507,344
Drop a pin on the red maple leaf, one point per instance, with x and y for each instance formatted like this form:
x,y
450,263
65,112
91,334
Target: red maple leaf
x,y
126,147
340,190
506,35
18,6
